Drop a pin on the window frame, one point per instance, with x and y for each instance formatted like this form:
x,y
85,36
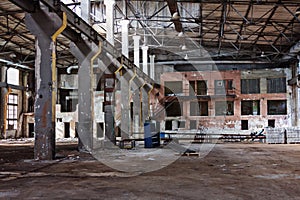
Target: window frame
x,y
12,112
276,85
223,86
252,107
246,83
169,91
194,111
228,112
276,107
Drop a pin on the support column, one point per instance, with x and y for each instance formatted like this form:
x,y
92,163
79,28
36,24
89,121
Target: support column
x,y
145,103
136,108
3,92
136,91
136,56
109,108
125,43
125,100
85,7
110,20
145,59
125,107
82,51
152,67
43,25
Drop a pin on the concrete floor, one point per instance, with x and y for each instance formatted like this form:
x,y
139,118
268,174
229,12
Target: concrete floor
x,y
229,171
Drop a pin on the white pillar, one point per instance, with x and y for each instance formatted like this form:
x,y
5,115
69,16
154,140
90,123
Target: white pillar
x,y
152,66
125,43
110,20
86,10
145,59
136,46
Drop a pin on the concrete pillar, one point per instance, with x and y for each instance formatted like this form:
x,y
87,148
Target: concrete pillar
x,y
43,25
152,67
110,20
136,91
136,56
82,51
3,92
125,43
145,59
145,103
136,109
85,7
125,108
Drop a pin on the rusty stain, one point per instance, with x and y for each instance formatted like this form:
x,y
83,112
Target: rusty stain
x,y
44,114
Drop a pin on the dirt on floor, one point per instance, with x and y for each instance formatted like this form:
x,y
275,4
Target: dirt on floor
x,y
229,171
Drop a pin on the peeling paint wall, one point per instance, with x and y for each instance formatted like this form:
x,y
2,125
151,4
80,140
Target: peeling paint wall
x,y
233,122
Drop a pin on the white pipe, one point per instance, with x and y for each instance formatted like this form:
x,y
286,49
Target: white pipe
x,y
136,46
145,59
110,20
9,63
69,69
125,43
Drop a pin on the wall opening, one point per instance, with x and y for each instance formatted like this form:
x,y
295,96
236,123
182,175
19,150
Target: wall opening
x,y
199,108
173,109
169,125
67,129
224,108
271,123
250,108
244,124
277,107
31,130
100,127
193,124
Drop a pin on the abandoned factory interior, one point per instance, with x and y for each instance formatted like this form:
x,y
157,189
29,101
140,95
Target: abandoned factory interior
x,y
149,99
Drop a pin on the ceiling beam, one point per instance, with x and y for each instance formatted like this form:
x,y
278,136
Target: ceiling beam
x,y
27,5
175,14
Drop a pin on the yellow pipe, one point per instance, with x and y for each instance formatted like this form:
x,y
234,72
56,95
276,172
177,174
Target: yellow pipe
x,y
54,78
119,69
5,109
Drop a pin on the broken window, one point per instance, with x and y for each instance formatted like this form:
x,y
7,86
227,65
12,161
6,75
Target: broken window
x,y
276,85
277,107
223,86
224,108
199,108
198,88
173,88
12,112
250,86
250,108
173,109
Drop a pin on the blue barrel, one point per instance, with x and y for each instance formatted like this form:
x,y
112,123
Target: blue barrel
x,y
147,135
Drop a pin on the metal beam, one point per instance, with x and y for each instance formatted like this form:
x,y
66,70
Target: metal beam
x,y
174,10
27,5
75,21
